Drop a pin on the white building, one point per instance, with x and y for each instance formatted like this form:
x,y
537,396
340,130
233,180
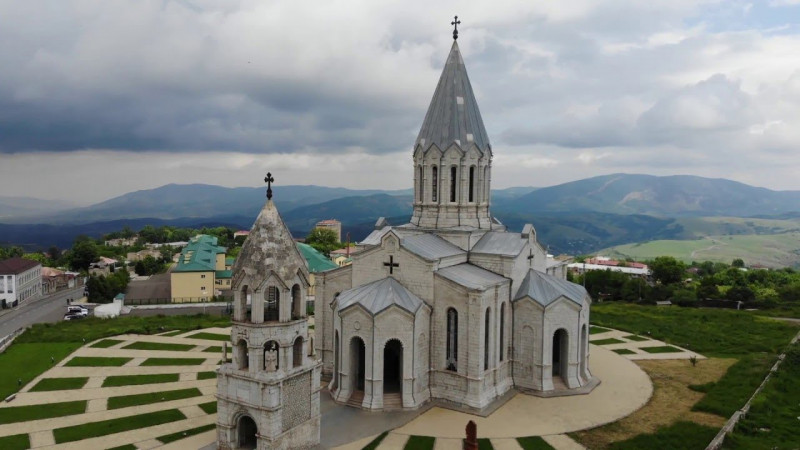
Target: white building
x,y
20,280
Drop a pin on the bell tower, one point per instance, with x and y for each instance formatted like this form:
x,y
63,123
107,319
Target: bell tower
x,y
268,396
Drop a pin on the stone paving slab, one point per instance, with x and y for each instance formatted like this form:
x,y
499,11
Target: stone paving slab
x,y
448,444
196,441
506,444
562,442
355,445
94,383
134,362
40,398
98,404
143,354
187,376
148,444
42,439
192,411
393,441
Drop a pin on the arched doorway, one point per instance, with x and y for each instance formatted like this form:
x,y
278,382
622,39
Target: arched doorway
x,y
247,431
560,353
297,352
297,303
358,353
392,367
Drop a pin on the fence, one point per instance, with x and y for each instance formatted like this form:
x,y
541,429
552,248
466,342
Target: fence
x,y
176,300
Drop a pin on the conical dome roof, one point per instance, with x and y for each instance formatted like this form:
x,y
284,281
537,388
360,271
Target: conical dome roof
x,y
268,248
453,115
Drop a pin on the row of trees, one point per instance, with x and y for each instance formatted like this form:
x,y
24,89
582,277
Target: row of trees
x,y
103,289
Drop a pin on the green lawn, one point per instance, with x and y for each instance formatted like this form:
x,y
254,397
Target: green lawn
x,y
210,336
59,384
420,443
633,337
624,351
206,375
711,332
680,435
111,426
26,413
608,341
15,442
213,349
125,401
129,380
27,361
139,345
124,447
173,361
533,443
485,444
662,349
209,408
97,361
597,330
93,328
376,442
734,388
106,343
167,438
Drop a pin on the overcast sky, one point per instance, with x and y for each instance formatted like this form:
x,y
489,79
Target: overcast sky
x,y
99,98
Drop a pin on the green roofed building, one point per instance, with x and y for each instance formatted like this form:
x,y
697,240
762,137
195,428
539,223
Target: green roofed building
x,y
200,272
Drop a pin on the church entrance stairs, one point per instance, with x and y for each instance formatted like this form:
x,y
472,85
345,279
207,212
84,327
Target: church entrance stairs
x,y
392,401
356,399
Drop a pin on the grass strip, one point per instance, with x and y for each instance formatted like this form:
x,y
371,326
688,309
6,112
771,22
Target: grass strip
x,y
106,343
171,333
210,336
125,401
634,337
167,438
15,442
160,346
677,435
173,361
27,413
215,349
608,341
59,384
206,375
731,391
209,408
22,363
420,443
97,361
131,380
376,442
623,351
124,447
534,443
111,426
593,329
661,349
485,444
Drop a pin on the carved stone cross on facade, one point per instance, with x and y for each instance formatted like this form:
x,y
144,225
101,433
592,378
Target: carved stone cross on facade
x,y
269,180
391,264
530,258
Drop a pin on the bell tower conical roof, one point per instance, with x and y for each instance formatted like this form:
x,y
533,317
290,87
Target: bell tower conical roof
x,y
453,115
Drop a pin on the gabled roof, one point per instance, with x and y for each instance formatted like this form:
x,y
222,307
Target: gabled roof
x,y
545,289
471,276
379,295
430,247
199,255
453,115
317,262
17,265
500,243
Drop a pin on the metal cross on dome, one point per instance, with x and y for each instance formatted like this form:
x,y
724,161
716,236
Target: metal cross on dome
x,y
268,179
455,23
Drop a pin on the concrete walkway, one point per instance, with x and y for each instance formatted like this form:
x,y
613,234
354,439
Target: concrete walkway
x,y
637,344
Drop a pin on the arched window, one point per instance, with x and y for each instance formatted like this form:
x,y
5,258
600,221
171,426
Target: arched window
x,y
272,304
487,326
297,302
297,352
434,184
421,185
502,329
485,184
471,184
453,172
272,356
452,340
242,355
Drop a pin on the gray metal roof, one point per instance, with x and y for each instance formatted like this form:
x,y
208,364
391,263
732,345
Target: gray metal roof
x,y
379,295
430,247
471,276
453,114
545,289
500,243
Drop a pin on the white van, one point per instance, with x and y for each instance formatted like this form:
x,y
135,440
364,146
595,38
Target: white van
x,y
77,310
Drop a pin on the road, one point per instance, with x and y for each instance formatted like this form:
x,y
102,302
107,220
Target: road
x,y
46,309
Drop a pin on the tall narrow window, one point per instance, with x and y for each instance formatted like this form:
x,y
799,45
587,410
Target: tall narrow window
x,y
452,339
272,306
421,185
502,329
472,184
486,339
434,184
453,183
485,184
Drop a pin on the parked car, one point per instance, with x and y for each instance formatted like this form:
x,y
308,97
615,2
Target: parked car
x,y
79,310
73,317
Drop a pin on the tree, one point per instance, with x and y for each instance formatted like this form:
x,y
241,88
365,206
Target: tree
x,y
148,266
323,240
707,289
738,263
740,293
83,253
667,270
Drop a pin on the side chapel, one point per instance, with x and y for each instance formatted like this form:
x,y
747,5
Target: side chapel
x,y
451,307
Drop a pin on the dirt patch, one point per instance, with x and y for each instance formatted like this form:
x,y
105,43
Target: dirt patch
x,y
672,401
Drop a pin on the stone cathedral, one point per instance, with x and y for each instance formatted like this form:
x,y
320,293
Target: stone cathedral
x,y
451,307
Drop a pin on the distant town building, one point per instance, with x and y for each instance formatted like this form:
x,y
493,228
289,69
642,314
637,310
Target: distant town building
x,y
200,271
120,242
54,280
632,268
20,280
103,266
332,224
557,265
341,257
176,244
142,254
244,233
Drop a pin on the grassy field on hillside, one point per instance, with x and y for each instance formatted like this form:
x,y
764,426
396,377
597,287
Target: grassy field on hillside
x,y
771,250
